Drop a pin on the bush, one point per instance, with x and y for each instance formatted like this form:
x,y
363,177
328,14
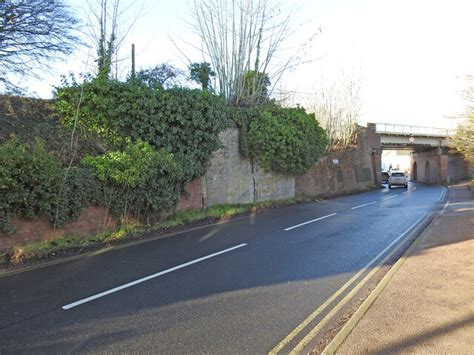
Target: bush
x,y
185,122
80,189
29,119
29,181
284,140
138,181
242,117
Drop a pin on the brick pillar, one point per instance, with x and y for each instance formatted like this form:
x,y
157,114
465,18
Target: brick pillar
x,y
376,164
442,168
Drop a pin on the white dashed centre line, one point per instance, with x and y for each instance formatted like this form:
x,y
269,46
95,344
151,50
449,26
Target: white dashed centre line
x,y
133,283
365,204
311,221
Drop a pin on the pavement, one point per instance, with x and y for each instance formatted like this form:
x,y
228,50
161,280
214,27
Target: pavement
x,y
428,305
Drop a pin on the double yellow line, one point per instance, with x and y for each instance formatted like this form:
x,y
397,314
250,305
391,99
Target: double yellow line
x,y
316,329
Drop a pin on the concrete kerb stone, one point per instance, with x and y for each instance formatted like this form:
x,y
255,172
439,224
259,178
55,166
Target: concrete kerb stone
x,y
4,272
341,336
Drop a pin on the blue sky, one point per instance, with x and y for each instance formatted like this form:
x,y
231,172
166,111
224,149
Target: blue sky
x,y
410,55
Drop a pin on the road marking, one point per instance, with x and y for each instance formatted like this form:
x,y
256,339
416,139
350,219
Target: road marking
x,y
341,336
133,283
313,220
388,198
442,195
310,336
365,204
322,307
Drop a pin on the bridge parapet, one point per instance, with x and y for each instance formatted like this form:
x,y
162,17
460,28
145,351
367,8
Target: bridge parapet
x,y
410,130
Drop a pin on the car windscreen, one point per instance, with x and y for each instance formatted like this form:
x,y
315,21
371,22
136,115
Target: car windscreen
x,y
398,174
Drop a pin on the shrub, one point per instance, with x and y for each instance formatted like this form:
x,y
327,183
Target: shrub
x,y
79,190
284,140
91,106
29,181
139,181
29,119
242,117
185,122
254,88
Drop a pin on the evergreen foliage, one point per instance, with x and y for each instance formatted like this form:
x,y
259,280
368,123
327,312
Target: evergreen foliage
x,y
138,181
185,122
284,140
29,181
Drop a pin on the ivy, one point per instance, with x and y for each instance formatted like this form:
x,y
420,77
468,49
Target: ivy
x,y
138,181
29,181
284,140
185,122
79,190
157,139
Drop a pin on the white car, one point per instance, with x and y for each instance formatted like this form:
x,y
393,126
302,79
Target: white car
x,y
397,178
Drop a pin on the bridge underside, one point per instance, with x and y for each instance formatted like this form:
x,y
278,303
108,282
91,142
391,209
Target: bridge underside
x,y
431,159
418,143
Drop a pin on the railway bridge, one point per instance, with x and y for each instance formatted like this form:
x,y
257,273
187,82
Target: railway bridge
x,y
432,159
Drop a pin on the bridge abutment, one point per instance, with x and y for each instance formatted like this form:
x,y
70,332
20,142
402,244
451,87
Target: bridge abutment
x,y
430,167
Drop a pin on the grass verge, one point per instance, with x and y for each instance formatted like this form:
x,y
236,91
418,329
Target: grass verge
x,y
74,244
182,220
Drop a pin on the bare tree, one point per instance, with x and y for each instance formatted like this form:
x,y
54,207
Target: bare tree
x,y
109,24
337,107
241,37
33,33
463,140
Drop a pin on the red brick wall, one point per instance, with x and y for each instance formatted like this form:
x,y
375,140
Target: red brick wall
x,y
344,171
194,199
92,220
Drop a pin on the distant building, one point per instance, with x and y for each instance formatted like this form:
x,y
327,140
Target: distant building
x,y
396,159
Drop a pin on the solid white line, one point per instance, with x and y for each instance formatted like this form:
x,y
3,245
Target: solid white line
x,y
301,345
365,204
133,283
322,307
313,220
388,198
441,196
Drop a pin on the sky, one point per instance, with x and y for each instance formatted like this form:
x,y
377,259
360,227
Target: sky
x,y
409,57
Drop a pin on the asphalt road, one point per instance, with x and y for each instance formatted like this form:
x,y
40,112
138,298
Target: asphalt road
x,y
238,287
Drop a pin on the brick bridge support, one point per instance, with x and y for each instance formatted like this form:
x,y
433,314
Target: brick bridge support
x,y
430,166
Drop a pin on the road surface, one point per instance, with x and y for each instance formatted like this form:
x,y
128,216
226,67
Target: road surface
x,y
237,287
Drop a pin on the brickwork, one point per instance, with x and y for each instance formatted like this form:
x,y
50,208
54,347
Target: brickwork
x,y
431,166
338,173
194,197
271,186
92,220
233,179
350,170
458,168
